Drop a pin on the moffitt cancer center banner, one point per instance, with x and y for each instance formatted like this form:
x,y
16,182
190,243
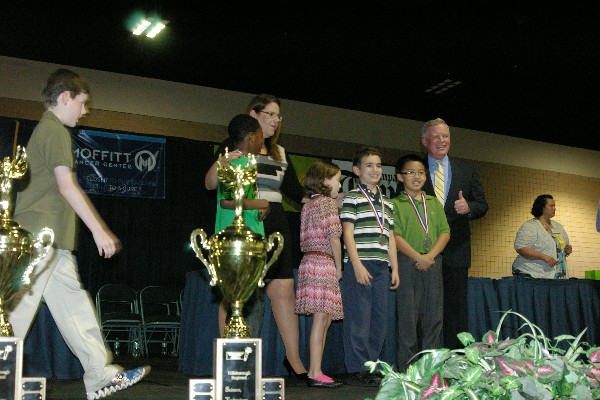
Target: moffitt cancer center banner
x,y
120,165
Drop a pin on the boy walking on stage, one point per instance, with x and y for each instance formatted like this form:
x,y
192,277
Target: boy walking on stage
x,y
370,265
53,198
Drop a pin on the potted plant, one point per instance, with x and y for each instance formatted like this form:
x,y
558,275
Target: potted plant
x,y
528,367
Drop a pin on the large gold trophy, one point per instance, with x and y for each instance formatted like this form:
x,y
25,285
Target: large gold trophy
x,y
237,259
19,252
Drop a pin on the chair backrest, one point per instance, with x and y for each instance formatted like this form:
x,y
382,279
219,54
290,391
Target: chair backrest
x,y
116,298
158,301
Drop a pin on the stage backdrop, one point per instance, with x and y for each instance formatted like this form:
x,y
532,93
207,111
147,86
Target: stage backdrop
x,y
155,229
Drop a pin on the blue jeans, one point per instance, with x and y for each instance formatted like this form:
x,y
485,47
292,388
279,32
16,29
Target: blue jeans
x,y
365,314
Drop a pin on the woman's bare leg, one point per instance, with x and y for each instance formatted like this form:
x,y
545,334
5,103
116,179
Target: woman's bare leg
x,y
283,300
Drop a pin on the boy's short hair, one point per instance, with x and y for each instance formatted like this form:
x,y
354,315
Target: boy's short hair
x,y
316,174
240,126
408,158
60,81
364,152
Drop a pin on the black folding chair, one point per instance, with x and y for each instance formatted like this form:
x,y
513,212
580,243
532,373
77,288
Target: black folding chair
x,y
120,319
159,308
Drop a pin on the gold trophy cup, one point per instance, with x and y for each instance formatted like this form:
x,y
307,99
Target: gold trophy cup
x,y
19,252
237,256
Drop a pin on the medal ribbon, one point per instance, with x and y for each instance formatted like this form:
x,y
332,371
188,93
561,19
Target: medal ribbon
x,y
380,221
424,224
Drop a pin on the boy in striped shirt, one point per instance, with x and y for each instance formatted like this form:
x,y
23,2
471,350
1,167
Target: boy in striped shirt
x,y
370,267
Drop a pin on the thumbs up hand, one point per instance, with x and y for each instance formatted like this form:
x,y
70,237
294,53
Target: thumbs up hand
x,y
460,205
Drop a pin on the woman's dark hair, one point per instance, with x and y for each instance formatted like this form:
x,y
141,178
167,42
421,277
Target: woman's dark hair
x,y
538,205
258,104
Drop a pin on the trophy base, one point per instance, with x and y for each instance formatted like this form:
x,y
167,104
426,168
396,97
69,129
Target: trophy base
x,y
237,374
5,326
6,330
204,389
236,328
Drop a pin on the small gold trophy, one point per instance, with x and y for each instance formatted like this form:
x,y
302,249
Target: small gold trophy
x,y
237,259
19,252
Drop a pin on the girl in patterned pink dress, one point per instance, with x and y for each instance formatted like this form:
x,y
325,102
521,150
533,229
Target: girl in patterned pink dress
x,y
320,270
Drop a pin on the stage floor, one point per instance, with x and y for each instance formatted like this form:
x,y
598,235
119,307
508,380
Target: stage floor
x,y
165,382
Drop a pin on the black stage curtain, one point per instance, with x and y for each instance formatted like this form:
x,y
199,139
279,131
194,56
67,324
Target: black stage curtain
x,y
155,233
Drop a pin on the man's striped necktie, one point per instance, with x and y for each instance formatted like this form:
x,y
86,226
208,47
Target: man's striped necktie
x,y
439,182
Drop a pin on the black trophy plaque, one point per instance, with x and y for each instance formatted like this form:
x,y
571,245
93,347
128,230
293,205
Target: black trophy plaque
x,y
238,368
11,356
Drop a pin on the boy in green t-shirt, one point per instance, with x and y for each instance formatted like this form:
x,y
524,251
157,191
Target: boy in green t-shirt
x,y
246,137
421,232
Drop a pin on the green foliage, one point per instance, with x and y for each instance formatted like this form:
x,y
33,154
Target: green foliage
x,y
528,367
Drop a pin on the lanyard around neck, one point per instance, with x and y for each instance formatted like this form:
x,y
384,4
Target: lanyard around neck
x,y
380,219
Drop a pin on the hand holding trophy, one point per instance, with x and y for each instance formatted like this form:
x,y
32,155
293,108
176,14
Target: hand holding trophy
x,y
19,252
237,259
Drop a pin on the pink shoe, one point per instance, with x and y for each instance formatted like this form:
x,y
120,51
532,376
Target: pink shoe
x,y
323,381
322,378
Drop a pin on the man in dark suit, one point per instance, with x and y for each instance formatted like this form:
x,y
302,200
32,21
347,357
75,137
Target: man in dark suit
x,y
461,193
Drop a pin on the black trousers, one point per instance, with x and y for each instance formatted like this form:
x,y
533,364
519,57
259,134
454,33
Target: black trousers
x,y
456,282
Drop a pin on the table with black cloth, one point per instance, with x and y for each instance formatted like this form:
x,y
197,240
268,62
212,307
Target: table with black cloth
x,y
45,353
557,306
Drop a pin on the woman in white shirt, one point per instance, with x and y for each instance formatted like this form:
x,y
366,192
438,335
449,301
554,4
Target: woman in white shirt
x,y
542,244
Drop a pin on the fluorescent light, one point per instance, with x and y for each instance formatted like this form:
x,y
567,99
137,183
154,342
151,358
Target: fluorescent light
x,y
141,27
442,86
149,26
156,29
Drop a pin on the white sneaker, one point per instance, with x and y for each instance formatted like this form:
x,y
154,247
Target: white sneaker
x,y
122,380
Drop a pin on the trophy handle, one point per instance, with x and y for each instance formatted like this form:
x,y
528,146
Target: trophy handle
x,y
42,245
274,256
200,255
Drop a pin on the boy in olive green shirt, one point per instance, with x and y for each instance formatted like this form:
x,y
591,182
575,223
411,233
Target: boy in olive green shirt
x,y
421,232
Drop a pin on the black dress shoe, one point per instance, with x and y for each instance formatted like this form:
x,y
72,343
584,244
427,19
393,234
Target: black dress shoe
x,y
303,376
318,384
364,379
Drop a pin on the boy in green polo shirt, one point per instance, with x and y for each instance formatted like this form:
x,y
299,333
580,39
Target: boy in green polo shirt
x,y
421,232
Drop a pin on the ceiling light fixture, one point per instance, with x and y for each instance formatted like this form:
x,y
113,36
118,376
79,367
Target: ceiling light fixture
x,y
141,27
150,26
442,86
